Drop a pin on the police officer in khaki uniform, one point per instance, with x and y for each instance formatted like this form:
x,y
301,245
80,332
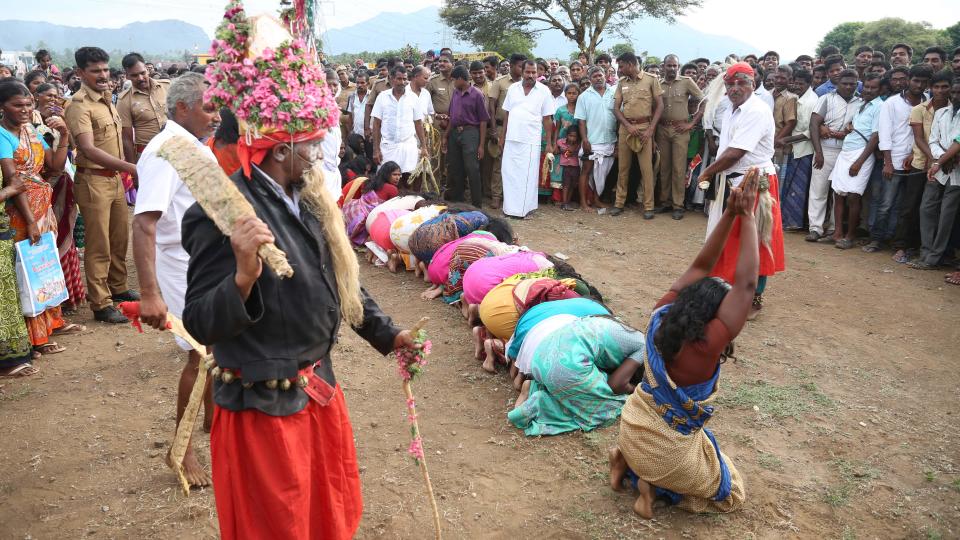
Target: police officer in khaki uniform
x,y
95,127
673,133
440,86
142,107
376,85
496,95
638,103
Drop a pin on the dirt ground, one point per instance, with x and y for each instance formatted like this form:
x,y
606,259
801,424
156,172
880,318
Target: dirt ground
x,y
840,412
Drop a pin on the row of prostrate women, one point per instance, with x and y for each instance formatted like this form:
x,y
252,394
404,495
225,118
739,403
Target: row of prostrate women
x,y
576,365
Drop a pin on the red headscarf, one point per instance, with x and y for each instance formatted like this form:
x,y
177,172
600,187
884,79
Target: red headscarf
x,y
256,150
736,69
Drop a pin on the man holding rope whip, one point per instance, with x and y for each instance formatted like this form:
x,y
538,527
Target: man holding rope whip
x,y
281,444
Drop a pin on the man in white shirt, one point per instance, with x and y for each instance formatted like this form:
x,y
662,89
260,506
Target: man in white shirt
x,y
528,111
557,83
746,142
357,104
896,144
398,125
828,126
332,145
162,200
941,197
418,86
796,175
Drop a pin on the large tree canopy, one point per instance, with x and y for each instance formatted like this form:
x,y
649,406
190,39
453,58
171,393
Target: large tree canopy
x,y
883,34
581,21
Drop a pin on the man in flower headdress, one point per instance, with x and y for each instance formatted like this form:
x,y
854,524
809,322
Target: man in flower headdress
x,y
746,141
283,458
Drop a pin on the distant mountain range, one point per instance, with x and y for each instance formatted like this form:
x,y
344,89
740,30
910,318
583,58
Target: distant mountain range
x,y
384,31
154,37
425,30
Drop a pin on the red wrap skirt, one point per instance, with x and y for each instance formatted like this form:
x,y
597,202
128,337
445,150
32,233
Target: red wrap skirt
x,y
772,259
291,477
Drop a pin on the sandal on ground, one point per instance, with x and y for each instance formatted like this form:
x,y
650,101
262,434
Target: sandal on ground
x,y
900,257
920,265
567,208
952,279
872,247
755,307
69,329
50,348
844,243
23,370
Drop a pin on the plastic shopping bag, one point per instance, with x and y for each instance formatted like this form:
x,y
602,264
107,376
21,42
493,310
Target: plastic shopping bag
x,y
39,275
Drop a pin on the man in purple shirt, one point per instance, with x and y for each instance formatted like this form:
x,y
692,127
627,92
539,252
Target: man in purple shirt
x,y
461,143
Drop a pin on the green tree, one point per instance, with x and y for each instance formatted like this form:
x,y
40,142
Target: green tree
x,y
581,21
621,48
841,36
883,34
952,35
509,42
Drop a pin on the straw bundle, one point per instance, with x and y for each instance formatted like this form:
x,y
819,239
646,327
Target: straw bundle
x,y
217,195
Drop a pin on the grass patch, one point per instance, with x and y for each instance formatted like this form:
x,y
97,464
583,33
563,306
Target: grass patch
x,y
929,475
955,484
17,393
932,534
854,477
848,534
779,401
838,496
769,461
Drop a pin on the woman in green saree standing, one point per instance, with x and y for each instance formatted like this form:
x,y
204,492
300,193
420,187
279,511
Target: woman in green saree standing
x,y
16,351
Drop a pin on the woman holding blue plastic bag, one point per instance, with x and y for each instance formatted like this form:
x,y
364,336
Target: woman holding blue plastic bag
x,y
24,153
664,449
15,348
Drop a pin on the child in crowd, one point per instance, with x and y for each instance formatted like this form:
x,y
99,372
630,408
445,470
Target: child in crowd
x,y
569,148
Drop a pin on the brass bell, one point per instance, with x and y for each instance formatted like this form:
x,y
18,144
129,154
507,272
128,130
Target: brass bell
x,y
302,381
247,385
215,372
228,376
271,384
284,384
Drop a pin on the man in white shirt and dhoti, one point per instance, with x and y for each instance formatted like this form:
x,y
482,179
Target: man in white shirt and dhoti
x,y
528,112
398,125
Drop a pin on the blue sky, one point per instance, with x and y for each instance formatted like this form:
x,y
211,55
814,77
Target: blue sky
x,y
791,31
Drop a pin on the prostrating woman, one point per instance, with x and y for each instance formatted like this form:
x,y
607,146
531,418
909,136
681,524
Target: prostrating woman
x,y
581,376
403,228
664,446
448,264
24,153
455,222
361,196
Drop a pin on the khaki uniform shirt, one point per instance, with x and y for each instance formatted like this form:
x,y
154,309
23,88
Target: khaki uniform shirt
x,y
144,112
498,91
638,95
380,85
89,111
676,98
784,109
345,93
441,91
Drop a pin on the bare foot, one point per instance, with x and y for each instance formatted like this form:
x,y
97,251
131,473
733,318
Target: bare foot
x,y
524,394
423,271
416,269
196,476
518,381
496,346
479,336
473,314
587,208
488,362
644,503
393,259
514,372
431,293
462,304
618,468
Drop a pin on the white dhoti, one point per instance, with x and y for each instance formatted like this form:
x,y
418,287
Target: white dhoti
x,y
602,157
404,153
172,279
840,178
332,181
520,169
